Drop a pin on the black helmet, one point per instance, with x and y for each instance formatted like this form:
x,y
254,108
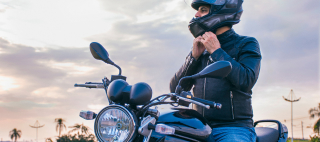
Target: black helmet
x,y
222,13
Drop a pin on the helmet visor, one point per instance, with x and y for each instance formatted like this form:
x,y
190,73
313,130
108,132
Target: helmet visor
x,y
211,2
197,3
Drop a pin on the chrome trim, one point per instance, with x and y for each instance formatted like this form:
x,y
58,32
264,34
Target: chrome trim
x,y
133,117
210,58
143,129
231,96
186,138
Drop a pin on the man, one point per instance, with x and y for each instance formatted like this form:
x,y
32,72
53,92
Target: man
x,y
215,40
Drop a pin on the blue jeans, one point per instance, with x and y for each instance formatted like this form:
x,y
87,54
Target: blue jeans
x,y
232,134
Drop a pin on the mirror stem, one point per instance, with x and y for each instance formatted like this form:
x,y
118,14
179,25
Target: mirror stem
x,y
179,88
118,68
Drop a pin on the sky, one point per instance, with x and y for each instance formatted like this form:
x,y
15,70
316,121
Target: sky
x,y
44,51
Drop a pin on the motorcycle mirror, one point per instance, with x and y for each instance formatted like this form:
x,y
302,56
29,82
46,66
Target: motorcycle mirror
x,y
100,53
219,69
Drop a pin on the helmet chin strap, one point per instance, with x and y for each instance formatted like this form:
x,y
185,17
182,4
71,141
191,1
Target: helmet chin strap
x,y
215,28
218,26
215,31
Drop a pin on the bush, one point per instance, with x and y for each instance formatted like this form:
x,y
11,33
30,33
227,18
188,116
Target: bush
x,y
76,138
315,138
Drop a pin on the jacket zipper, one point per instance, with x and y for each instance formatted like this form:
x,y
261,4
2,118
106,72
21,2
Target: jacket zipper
x,y
204,94
231,96
190,62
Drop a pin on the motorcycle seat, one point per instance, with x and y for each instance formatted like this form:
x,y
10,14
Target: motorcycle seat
x,y
265,134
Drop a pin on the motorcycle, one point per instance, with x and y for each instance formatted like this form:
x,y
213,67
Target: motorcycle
x,y
133,116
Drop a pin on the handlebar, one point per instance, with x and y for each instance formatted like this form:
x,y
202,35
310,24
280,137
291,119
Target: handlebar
x,y
90,85
194,102
201,102
210,103
205,102
186,97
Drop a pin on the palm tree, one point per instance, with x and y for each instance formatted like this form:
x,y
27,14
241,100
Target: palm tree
x,y
81,128
60,125
15,134
316,126
315,112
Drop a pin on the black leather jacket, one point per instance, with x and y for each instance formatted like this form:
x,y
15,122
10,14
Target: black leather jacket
x,y
233,92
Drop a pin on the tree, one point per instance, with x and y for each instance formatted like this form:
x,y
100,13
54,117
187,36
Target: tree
x,y
60,125
49,140
76,138
15,134
314,138
316,127
80,128
315,112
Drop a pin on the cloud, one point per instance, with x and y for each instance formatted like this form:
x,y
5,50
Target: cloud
x,y
40,75
38,84
51,24
146,49
150,45
133,8
48,92
288,37
24,105
3,8
7,83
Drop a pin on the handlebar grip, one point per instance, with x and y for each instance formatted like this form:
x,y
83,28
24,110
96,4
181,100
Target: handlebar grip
x,y
210,103
194,102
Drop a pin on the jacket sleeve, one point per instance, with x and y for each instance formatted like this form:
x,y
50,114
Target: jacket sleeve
x,y
245,71
187,69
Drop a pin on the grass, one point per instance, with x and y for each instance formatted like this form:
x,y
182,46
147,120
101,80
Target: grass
x,y
289,140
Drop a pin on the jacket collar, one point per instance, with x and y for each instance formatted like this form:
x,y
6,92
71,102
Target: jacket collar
x,y
226,36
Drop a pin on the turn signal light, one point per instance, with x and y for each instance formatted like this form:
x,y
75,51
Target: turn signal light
x,y
88,115
164,129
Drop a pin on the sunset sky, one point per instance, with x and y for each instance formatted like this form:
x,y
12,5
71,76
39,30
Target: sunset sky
x,y
44,51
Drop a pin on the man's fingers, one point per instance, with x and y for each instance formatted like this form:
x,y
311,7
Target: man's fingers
x,y
204,42
208,38
199,38
196,40
204,36
209,35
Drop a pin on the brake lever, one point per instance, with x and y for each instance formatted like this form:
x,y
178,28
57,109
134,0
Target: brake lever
x,y
106,81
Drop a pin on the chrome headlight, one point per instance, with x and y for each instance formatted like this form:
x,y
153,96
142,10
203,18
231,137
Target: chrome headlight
x,y
115,123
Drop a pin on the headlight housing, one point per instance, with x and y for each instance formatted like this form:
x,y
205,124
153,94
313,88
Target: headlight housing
x,y
115,123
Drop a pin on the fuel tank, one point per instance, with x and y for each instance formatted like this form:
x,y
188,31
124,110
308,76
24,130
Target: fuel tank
x,y
189,125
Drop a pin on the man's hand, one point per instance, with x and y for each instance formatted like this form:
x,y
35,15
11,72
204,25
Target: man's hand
x,y
210,42
198,47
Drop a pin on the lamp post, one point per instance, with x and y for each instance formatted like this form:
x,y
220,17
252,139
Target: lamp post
x,y
37,125
291,100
